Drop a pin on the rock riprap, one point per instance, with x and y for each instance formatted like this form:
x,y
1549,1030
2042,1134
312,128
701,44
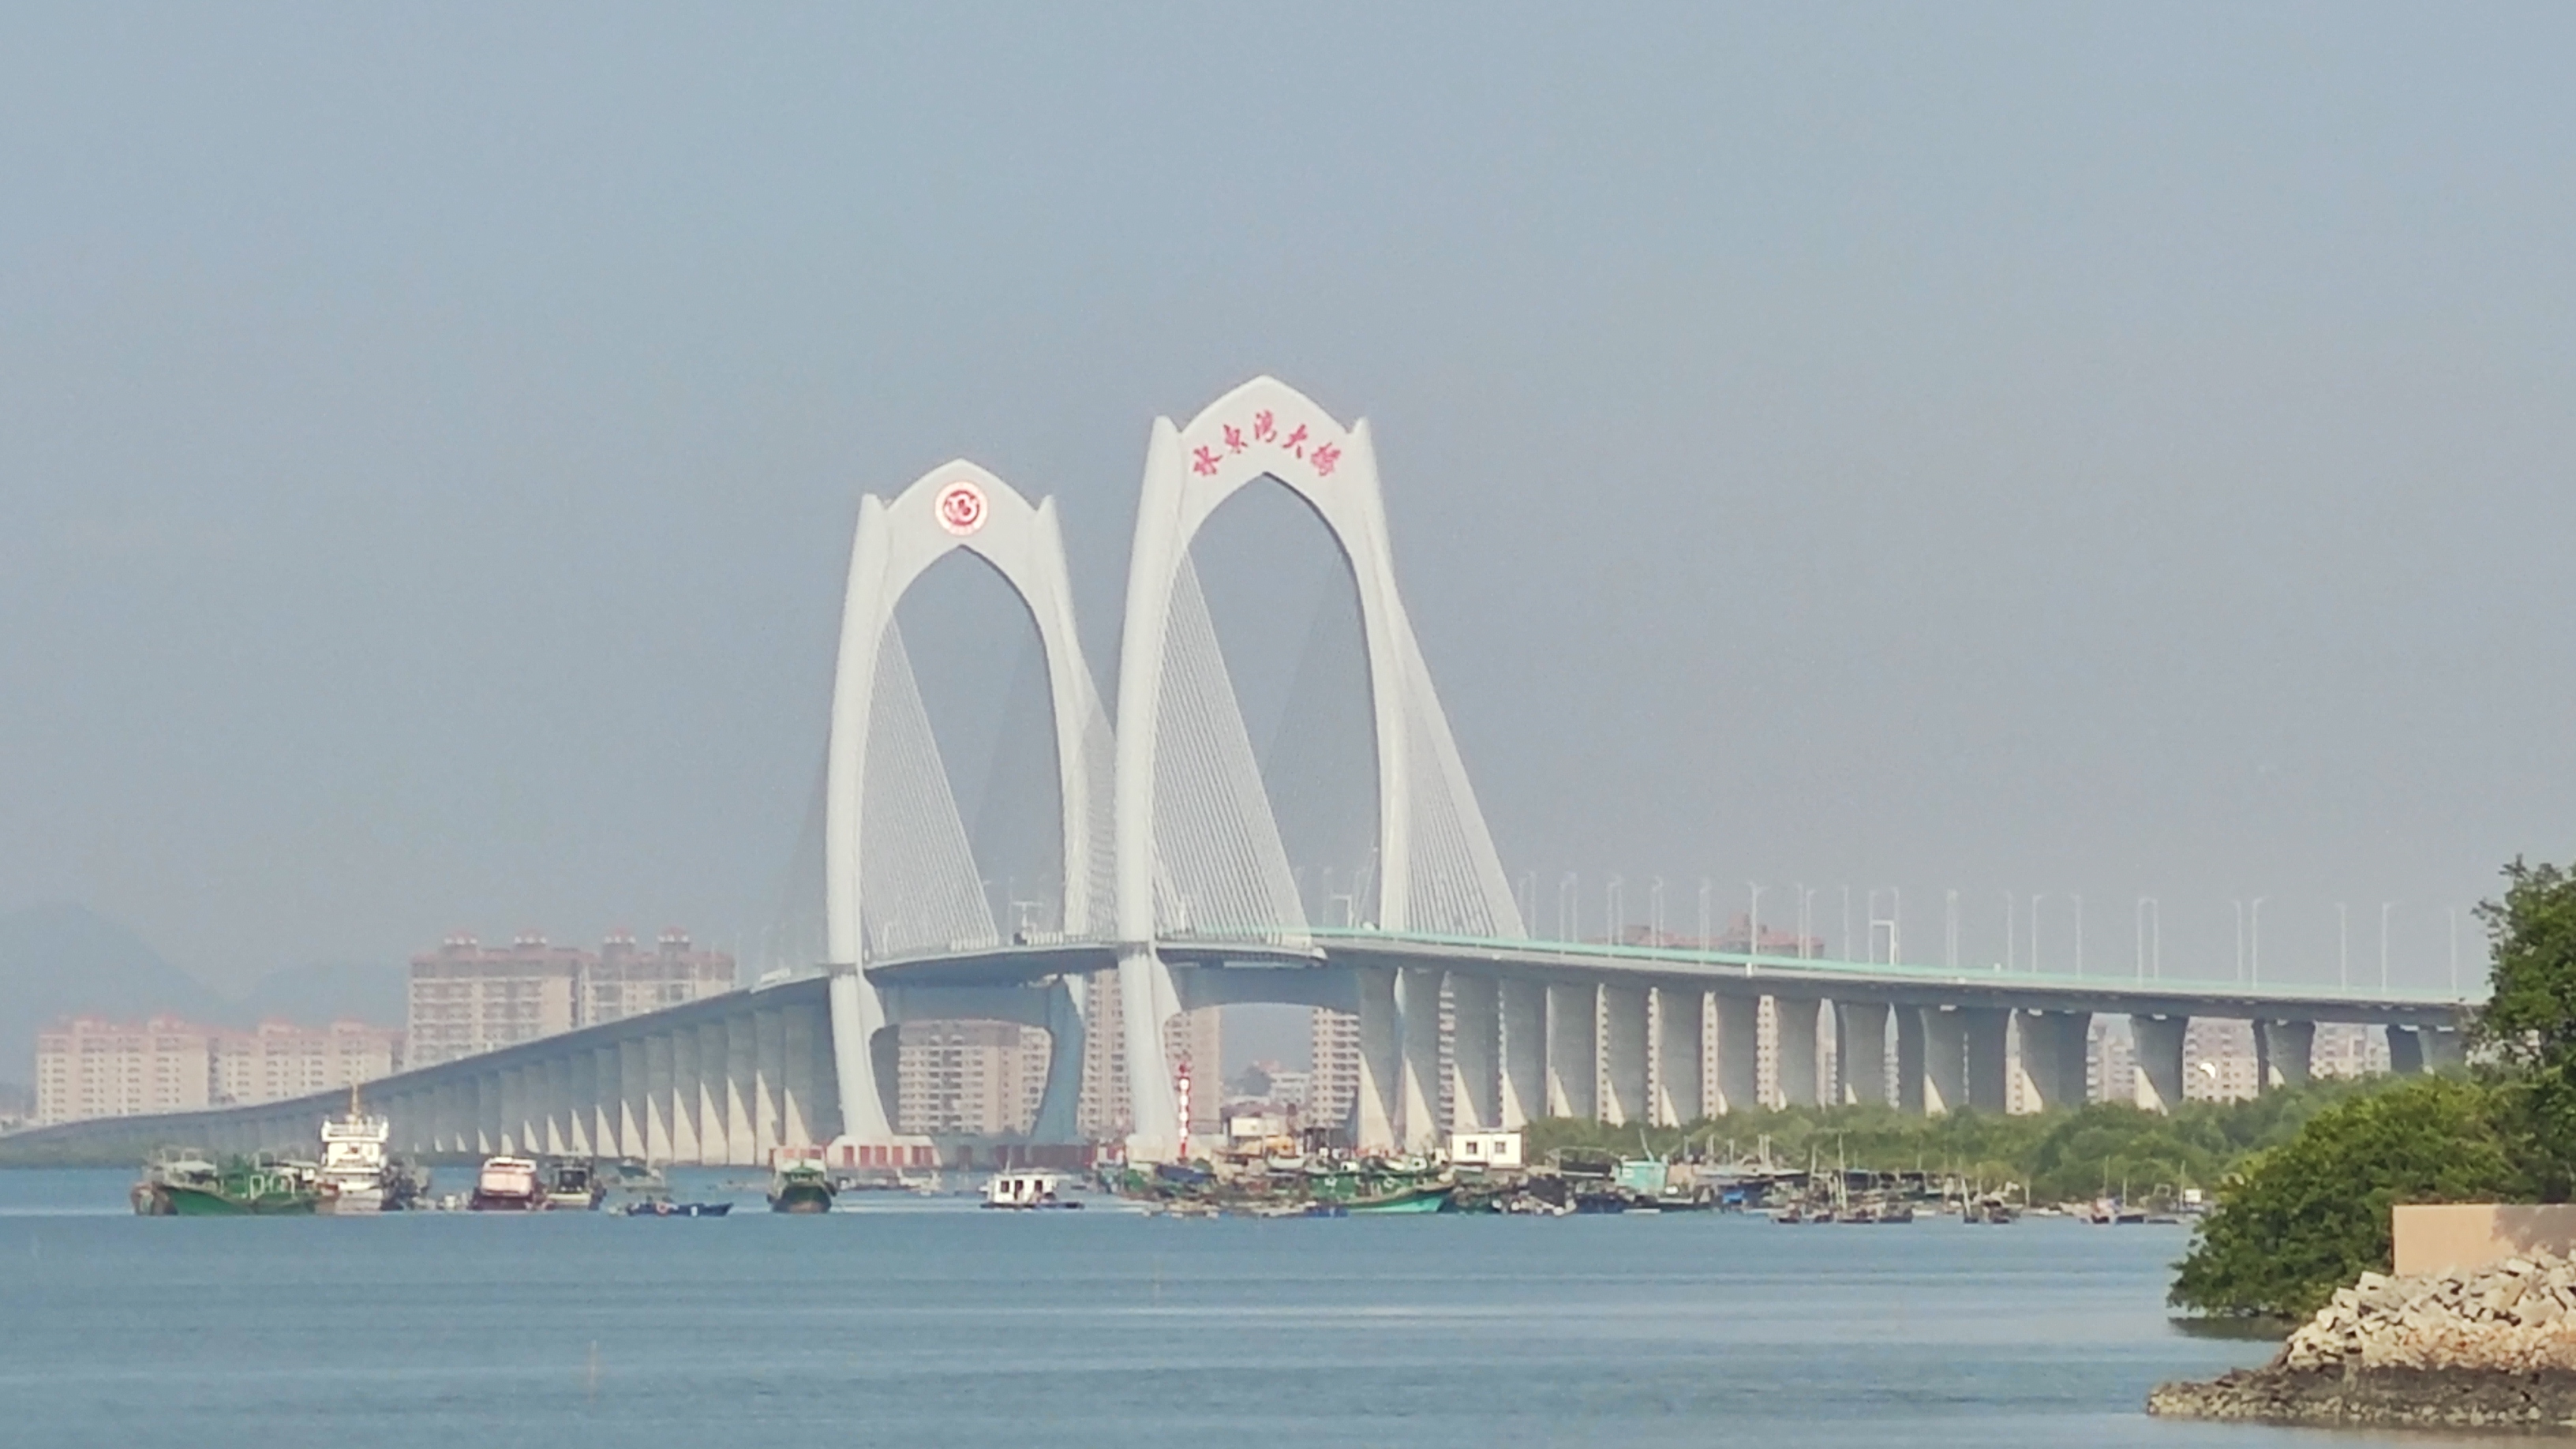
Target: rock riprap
x,y
2489,1348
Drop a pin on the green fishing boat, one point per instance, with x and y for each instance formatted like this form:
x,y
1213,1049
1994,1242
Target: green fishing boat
x,y
192,1185
800,1187
1425,1198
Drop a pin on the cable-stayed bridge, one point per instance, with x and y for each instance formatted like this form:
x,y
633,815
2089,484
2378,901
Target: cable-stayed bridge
x,y
1171,879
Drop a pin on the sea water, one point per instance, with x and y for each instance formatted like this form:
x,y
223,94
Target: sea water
x,y
902,1320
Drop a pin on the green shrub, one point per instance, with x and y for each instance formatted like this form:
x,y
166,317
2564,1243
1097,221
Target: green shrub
x,y
2309,1216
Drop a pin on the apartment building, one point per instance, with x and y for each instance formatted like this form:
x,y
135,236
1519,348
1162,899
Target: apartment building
x,y
92,1067
277,1060
972,1078
1196,1036
1333,1077
468,998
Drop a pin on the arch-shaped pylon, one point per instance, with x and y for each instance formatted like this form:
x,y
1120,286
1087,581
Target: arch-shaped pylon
x,y
1265,428
955,506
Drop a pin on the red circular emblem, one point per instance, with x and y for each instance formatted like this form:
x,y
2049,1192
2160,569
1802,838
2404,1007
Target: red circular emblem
x,y
961,508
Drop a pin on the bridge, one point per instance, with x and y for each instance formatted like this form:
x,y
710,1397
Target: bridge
x,y
1171,885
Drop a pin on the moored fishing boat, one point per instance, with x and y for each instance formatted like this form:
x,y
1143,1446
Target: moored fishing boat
x,y
573,1186
1421,1198
800,1186
354,1172
1025,1190
663,1207
192,1185
506,1185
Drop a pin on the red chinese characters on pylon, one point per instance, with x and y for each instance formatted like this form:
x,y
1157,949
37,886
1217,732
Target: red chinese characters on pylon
x,y
1297,441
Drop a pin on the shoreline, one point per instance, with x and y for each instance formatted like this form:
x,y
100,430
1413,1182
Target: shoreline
x,y
2492,1347
2407,1398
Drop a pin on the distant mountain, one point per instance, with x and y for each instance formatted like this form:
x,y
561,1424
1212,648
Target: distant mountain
x,y
65,960
373,992
59,960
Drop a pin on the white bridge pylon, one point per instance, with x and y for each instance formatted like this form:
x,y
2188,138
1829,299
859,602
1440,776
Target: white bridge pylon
x,y
1167,827
1437,868
899,878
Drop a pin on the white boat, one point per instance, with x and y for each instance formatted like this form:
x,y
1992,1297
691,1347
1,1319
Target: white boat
x,y
352,1176
507,1185
1025,1190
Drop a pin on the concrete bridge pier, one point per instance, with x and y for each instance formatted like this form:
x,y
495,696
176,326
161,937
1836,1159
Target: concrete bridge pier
x,y
635,1098
554,1106
715,1128
624,1066
1418,1003
803,1082
1067,1035
509,1126
660,1080
1988,1066
1377,1111
2052,1057
769,1061
598,1111
1910,1062
487,1111
1680,1014
1573,1051
1739,1052
1860,1052
1146,999
684,1095
2284,1053
1625,1032
535,1104
456,1114
2156,1046
2444,1048
1793,1051
1475,1053
876,1052
550,1108
1945,1060
2405,1052
1522,1006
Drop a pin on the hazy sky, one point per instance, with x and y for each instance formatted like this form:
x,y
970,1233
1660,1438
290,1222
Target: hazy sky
x,y
2033,449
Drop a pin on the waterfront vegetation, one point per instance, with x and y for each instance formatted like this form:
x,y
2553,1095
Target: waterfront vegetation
x,y
2062,1156
2311,1215
2306,1217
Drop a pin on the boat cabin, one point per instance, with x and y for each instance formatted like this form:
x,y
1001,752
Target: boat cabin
x,y
1022,1190
1485,1149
